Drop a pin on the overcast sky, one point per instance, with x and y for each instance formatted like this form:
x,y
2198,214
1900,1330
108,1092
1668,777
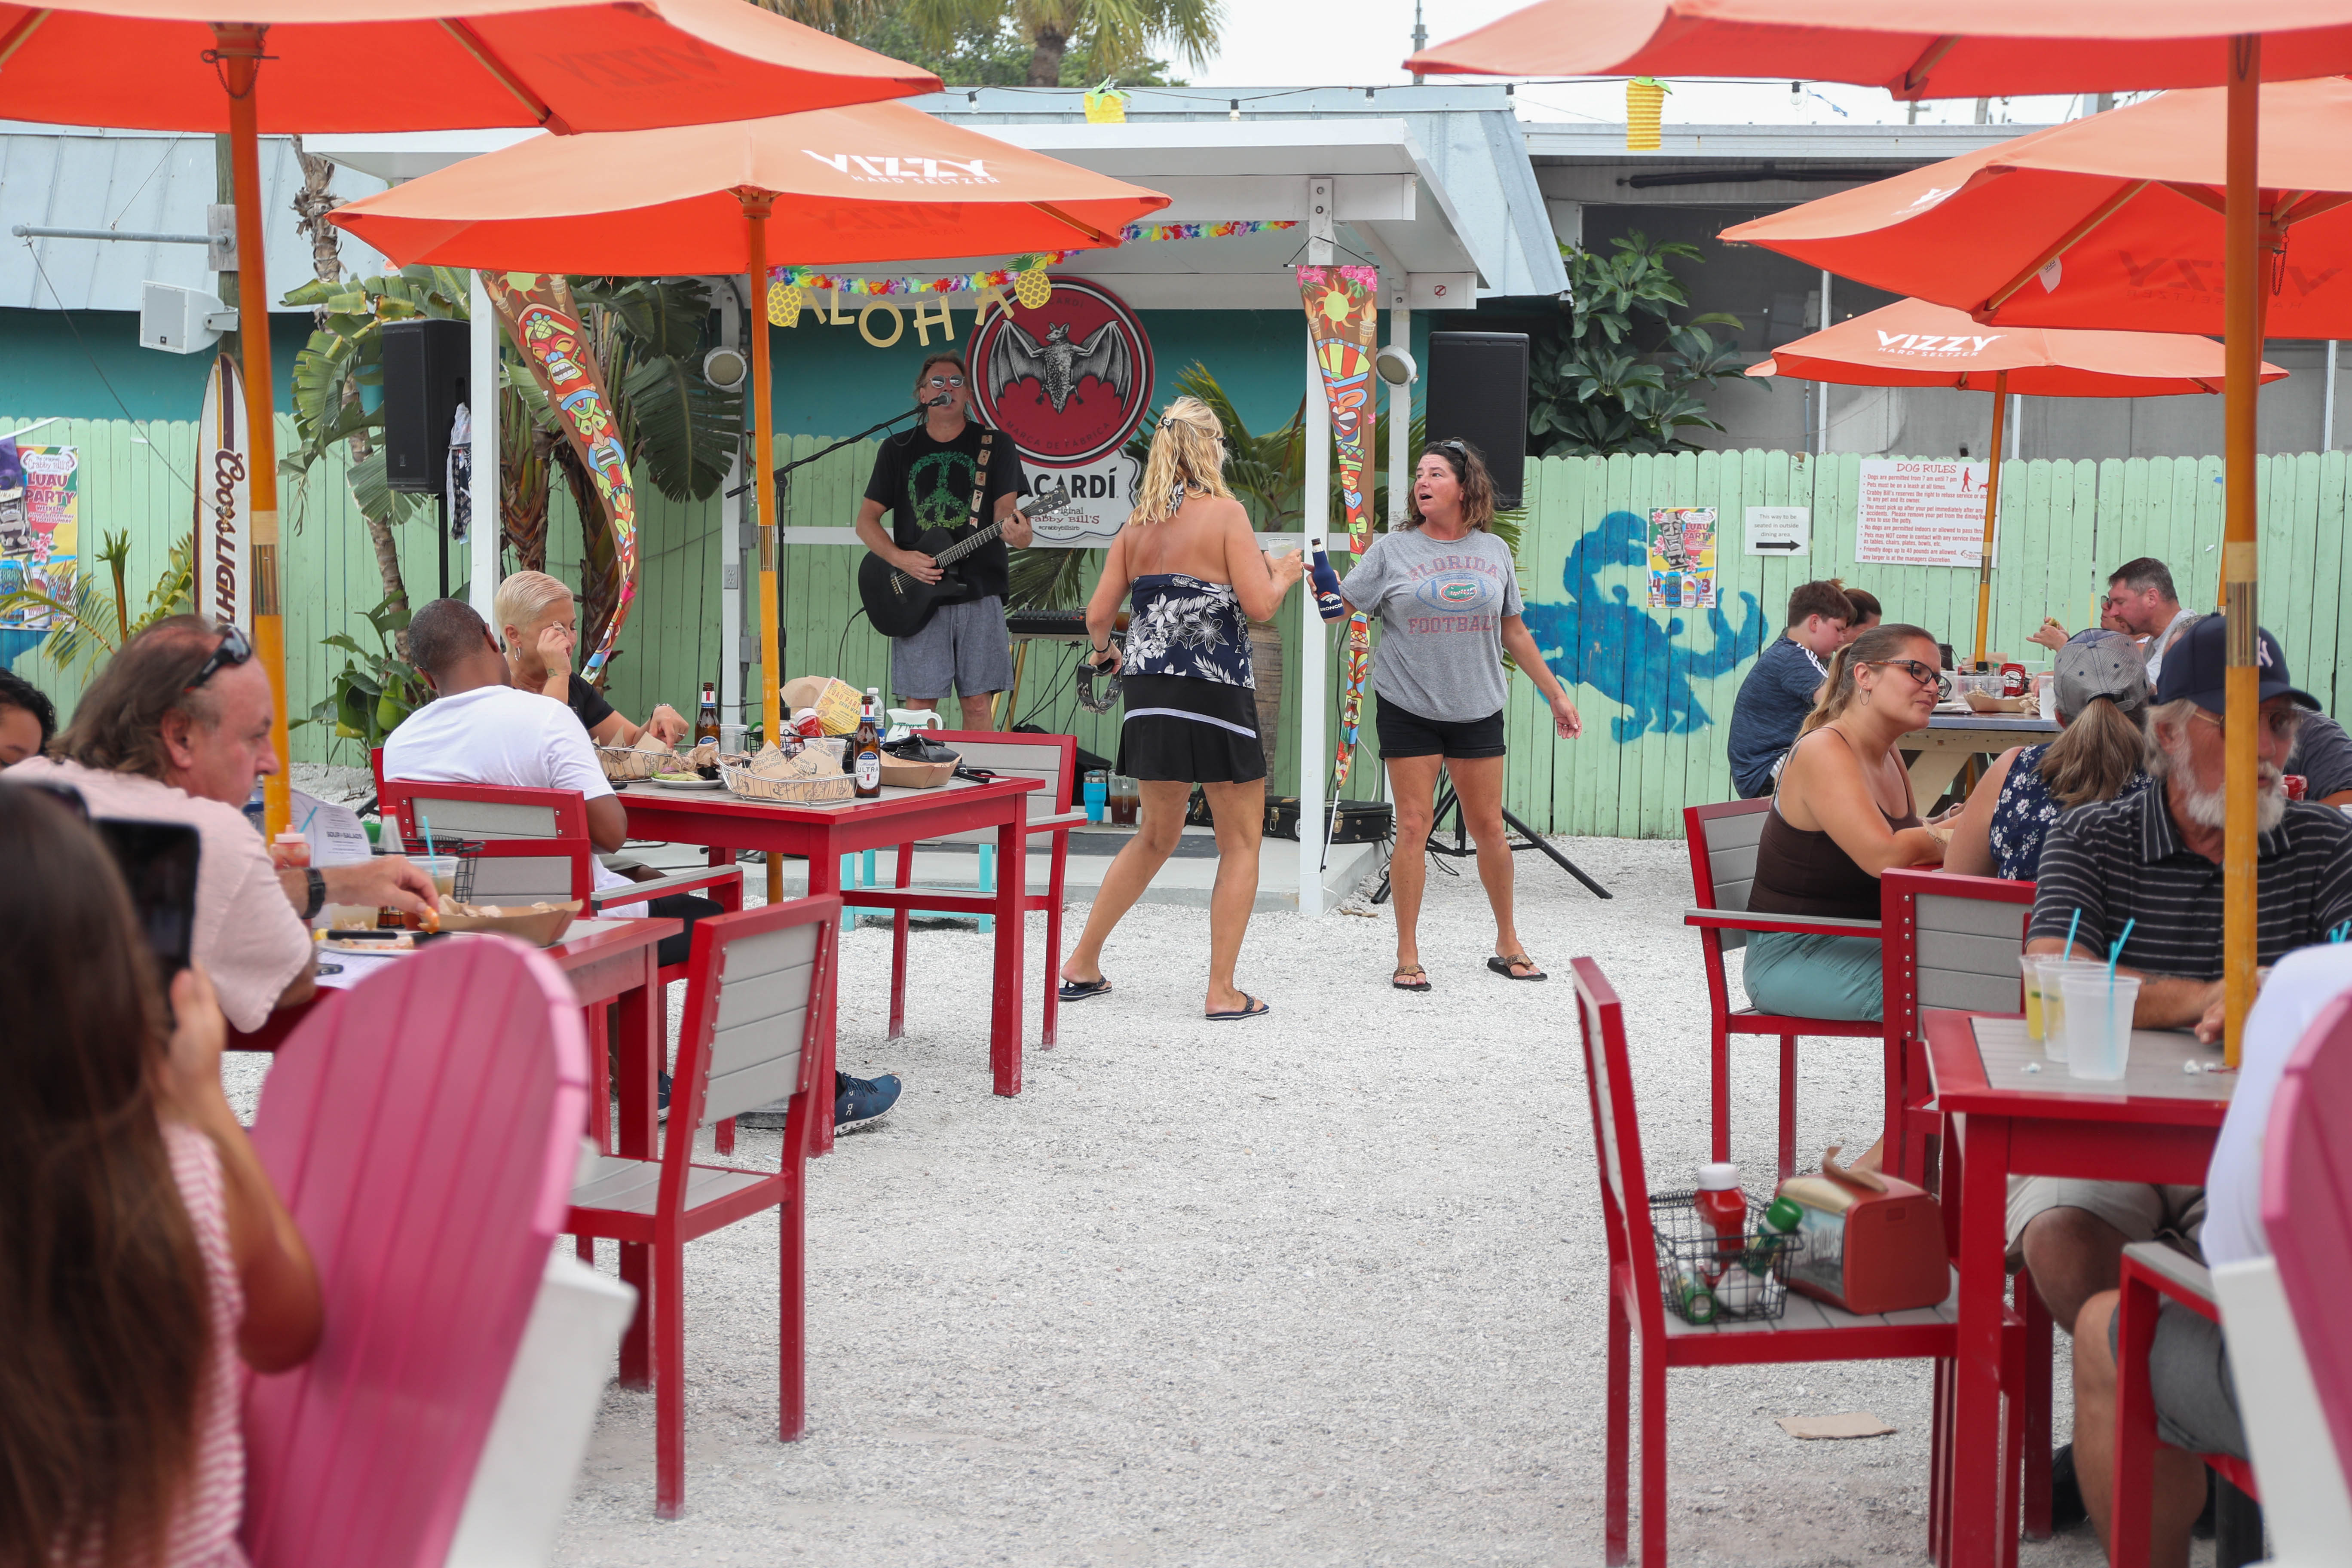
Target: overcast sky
x,y
1296,43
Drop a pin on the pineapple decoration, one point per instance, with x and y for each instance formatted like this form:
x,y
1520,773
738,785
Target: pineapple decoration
x,y
1032,286
784,303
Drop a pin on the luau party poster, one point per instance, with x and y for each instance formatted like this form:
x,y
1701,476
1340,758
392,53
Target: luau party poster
x,y
1682,558
1343,307
40,526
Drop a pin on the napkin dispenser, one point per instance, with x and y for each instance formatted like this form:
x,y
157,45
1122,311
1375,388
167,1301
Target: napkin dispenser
x,y
1872,1242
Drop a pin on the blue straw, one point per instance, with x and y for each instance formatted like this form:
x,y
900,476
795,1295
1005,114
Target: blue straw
x,y
2069,949
305,818
2339,934
2117,952
426,822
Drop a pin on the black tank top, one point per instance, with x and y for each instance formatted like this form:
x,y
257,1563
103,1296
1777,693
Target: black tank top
x,y
1804,872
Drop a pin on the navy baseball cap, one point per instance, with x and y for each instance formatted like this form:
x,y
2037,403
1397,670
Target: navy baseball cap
x,y
2195,664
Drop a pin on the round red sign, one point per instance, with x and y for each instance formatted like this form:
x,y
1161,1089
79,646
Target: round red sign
x,y
1068,381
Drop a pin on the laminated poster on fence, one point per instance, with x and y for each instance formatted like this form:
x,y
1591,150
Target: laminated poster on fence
x,y
40,518
1682,558
1911,513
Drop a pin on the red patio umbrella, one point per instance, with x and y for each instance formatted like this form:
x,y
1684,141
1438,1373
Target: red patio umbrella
x,y
1914,343
877,182
403,65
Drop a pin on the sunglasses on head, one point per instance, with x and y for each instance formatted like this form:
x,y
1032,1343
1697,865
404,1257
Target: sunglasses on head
x,y
233,649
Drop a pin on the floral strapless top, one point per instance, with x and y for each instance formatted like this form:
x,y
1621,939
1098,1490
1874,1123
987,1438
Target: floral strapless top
x,y
1181,626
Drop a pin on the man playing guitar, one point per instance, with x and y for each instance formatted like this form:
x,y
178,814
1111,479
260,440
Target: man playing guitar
x,y
927,479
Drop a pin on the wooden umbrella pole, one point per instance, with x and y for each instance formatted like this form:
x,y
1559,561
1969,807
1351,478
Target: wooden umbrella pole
x,y
238,49
2242,317
756,207
1993,512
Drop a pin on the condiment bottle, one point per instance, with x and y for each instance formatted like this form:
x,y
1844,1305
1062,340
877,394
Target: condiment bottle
x,y
289,851
866,749
1724,1206
1782,1219
706,717
1693,1298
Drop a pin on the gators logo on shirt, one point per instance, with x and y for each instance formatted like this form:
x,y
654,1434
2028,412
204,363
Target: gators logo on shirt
x,y
1461,591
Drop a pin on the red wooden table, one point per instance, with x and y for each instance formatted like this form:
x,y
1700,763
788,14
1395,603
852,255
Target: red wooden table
x,y
2156,1124
822,835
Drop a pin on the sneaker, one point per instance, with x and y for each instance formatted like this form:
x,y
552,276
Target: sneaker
x,y
857,1102
2067,1508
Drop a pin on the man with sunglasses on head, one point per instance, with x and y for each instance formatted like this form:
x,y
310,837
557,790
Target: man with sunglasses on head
x,y
924,478
177,728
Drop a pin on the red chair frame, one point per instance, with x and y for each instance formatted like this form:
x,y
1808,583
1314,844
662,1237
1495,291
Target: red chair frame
x,y
1724,1020
676,1220
1910,1121
2147,1276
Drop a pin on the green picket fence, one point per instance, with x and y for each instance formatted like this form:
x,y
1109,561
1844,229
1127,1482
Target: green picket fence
x,y
1655,687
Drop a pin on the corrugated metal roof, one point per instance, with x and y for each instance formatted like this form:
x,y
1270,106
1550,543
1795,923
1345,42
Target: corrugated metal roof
x,y
139,181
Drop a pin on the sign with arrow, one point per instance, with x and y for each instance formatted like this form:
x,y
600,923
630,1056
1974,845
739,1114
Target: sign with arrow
x,y
1780,531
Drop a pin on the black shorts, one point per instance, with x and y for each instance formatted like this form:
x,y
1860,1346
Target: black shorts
x,y
1182,730
1404,734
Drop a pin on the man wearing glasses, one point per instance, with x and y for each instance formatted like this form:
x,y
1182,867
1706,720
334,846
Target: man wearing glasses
x,y
924,478
177,728
2140,603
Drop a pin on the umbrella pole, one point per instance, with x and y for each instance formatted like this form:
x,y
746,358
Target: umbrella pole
x,y
1993,512
756,205
239,47
2241,315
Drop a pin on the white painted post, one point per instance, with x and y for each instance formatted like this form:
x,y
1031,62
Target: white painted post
x,y
1821,423
731,524
1314,639
1399,411
2327,404
482,396
2016,424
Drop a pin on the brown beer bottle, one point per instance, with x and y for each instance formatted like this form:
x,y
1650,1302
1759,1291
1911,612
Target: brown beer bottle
x,y
706,718
866,749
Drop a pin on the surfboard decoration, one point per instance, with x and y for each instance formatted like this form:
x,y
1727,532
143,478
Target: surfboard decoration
x,y
223,500
543,320
1343,316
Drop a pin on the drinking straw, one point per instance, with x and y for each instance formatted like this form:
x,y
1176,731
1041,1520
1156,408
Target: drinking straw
x,y
305,818
2068,951
2113,954
2340,932
426,822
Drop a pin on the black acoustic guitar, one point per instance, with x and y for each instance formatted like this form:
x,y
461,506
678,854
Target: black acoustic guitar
x,y
898,606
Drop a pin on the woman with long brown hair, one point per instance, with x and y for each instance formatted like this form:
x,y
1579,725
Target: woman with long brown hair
x,y
1842,817
141,1245
1194,567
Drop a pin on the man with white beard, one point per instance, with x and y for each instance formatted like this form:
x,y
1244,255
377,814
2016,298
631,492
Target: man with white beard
x,y
2154,859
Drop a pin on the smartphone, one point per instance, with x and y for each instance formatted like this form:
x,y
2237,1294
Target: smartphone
x,y
158,860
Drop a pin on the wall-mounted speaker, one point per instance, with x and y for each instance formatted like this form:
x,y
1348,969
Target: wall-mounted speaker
x,y
1478,393
425,367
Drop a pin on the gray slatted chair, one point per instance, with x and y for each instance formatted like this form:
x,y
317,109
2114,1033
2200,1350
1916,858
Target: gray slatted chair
x,y
759,986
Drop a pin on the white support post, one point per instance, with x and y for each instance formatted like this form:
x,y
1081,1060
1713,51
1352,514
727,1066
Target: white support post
x,y
2016,424
482,398
2327,404
731,524
1314,637
1399,411
1822,389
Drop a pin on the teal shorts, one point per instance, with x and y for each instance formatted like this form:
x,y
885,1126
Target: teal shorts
x,y
1798,976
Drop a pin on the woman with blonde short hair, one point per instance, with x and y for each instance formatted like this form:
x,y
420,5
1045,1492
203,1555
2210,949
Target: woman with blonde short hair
x,y
539,625
1196,570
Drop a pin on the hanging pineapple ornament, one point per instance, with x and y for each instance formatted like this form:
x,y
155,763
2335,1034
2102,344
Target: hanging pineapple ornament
x,y
784,304
1645,103
1033,288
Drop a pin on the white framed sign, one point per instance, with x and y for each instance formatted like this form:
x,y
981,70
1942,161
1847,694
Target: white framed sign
x,y
1780,531
1912,513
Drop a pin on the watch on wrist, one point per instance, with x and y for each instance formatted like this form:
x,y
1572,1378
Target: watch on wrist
x,y
318,899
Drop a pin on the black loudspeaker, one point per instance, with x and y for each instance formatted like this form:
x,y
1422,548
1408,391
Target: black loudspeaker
x,y
1478,393
424,368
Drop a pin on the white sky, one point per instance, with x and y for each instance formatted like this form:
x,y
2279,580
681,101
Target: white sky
x,y
1300,43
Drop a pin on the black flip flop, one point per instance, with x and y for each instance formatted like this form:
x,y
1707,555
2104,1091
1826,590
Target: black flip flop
x,y
1079,990
1502,965
1396,978
1257,1008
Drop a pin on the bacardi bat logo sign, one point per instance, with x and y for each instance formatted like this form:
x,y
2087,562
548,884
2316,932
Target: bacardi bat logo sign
x,y
1068,381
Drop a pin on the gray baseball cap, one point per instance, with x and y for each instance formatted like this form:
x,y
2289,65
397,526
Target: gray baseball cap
x,y
2088,667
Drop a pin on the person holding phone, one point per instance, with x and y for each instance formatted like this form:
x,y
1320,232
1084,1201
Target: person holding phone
x,y
177,728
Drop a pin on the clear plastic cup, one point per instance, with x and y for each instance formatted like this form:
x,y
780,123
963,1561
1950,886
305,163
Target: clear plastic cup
x,y
2052,969
443,869
2098,1022
2029,966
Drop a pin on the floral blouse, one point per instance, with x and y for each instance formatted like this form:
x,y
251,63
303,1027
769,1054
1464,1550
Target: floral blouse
x,y
2025,812
1182,625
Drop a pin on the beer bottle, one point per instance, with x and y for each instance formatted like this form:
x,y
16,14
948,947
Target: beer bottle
x,y
706,718
866,749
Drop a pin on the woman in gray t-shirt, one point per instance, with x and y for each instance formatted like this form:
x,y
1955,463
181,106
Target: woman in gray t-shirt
x,y
1448,603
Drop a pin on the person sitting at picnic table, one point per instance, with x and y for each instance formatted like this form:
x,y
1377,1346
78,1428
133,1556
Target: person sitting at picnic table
x,y
2321,756
28,719
1779,690
2140,602
2188,1376
2150,863
479,728
2100,755
177,728
1867,612
542,627
1842,817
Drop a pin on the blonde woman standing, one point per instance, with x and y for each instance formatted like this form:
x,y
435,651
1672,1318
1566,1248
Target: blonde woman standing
x,y
540,626
1194,569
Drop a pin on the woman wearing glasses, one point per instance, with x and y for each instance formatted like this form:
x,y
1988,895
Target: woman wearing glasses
x,y
1842,816
1447,597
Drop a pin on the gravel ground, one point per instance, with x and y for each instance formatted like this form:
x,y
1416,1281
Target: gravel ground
x,y
1320,1289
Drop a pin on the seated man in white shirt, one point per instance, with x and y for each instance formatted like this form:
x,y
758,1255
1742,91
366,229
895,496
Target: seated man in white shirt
x,y
2196,1401
482,729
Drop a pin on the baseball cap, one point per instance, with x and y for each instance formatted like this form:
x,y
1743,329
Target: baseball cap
x,y
2195,668
2090,668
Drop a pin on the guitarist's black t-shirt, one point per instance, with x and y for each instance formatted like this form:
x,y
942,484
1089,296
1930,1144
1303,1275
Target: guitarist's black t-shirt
x,y
927,484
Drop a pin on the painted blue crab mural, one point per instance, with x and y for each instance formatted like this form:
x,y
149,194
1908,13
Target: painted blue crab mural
x,y
1610,644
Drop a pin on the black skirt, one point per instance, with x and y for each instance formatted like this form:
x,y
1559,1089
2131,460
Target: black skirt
x,y
1181,730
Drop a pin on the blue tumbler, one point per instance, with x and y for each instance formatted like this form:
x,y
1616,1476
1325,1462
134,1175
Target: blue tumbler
x,y
1097,794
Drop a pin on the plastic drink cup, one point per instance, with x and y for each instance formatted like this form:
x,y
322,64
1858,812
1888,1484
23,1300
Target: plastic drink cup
x,y
1096,795
2030,964
443,869
2053,1000
289,851
2098,1022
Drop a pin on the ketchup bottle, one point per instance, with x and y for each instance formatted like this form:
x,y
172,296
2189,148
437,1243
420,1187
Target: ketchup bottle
x,y
1723,1206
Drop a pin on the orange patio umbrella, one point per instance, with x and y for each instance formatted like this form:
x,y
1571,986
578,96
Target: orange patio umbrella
x,y
877,182
1914,343
1955,48
245,66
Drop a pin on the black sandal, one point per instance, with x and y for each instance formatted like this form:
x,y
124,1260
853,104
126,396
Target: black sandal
x,y
1504,963
1397,979
1079,990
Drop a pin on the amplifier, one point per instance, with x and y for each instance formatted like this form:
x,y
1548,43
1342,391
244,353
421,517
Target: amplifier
x,y
1358,822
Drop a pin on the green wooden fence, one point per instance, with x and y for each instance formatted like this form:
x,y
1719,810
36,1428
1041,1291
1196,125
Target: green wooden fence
x,y
1656,695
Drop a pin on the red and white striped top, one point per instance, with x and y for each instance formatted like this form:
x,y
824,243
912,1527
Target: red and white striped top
x,y
203,1527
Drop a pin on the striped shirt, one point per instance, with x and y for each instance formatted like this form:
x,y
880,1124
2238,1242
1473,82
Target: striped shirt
x,y
2123,860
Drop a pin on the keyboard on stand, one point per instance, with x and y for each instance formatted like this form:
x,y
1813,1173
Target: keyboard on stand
x,y
1064,626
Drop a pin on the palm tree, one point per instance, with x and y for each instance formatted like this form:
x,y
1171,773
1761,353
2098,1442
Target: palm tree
x,y
1114,34
94,625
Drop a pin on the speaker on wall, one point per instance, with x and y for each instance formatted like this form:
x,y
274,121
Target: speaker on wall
x,y
424,368
1478,393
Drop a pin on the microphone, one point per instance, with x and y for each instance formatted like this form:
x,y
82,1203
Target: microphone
x,y
941,401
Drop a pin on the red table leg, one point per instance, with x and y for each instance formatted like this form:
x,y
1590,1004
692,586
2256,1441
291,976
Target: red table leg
x,y
1978,1514
898,928
1005,1011
824,877
642,1028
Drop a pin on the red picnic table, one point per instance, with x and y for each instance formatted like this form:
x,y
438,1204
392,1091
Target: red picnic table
x,y
726,825
2155,1124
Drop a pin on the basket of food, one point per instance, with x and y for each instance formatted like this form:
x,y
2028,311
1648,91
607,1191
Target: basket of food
x,y
800,775
627,764
1706,1275
540,924
914,762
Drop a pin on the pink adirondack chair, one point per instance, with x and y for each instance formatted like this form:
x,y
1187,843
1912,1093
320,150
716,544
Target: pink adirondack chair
x,y
425,1137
